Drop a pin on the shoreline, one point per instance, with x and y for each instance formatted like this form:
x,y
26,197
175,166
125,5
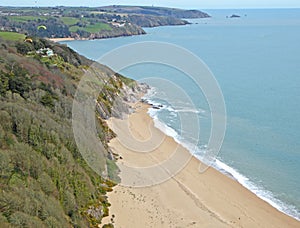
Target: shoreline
x,y
61,39
229,171
207,199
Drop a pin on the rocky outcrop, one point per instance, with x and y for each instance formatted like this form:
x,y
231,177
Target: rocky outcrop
x,y
127,30
234,16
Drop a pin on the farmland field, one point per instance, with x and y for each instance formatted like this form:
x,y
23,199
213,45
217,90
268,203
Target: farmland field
x,y
11,36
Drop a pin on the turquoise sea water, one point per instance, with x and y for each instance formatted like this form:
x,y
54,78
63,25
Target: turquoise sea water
x,y
256,61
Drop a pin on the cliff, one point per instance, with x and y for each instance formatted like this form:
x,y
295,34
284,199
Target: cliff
x,y
155,21
45,182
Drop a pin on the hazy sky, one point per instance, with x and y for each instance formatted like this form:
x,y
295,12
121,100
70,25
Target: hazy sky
x,y
170,3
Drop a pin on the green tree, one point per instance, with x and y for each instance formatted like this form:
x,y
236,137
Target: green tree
x,y
18,80
24,47
48,100
4,85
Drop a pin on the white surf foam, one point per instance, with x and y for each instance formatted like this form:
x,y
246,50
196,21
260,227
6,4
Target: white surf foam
x,y
257,190
219,165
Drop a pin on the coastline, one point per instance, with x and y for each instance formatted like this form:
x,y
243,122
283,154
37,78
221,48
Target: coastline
x,y
188,199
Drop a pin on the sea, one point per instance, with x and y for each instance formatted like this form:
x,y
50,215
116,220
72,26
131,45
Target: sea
x,y
255,59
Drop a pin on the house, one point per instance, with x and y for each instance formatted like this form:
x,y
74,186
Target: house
x,y
45,52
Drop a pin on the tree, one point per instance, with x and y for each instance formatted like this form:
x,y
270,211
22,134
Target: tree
x,y
47,100
4,85
24,47
18,80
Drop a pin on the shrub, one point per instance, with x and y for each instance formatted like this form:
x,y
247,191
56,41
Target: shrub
x,y
51,222
21,219
110,225
46,184
47,100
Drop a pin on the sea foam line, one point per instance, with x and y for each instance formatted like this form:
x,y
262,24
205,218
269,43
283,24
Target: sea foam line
x,y
257,190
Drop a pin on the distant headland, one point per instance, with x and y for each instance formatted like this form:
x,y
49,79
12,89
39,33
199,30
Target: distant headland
x,y
90,22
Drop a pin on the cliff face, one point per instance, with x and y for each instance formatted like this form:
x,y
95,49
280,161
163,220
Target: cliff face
x,y
126,30
44,179
154,21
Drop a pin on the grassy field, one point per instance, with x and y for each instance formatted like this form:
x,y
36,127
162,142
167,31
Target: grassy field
x,y
12,36
26,18
112,13
91,28
75,28
69,20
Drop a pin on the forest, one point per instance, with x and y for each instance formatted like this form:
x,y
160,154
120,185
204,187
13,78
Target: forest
x,y
45,182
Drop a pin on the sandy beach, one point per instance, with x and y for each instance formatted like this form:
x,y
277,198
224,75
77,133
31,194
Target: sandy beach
x,y
186,199
61,39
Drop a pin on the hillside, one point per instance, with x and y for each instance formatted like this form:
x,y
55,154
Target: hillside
x,y
90,22
45,182
155,11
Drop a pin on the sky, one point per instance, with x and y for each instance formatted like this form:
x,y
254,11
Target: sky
x,y
191,4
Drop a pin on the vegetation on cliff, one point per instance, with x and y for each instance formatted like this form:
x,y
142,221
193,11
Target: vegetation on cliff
x,y
44,180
